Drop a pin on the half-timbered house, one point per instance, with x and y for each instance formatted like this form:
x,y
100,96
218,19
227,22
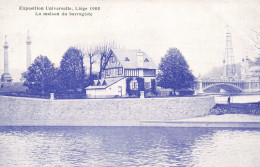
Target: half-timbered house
x,y
123,64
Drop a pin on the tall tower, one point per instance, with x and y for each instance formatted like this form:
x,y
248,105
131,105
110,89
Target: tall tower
x,y
229,70
6,78
28,56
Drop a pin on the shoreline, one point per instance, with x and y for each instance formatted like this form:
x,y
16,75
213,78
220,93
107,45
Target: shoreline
x,y
226,120
209,121
252,108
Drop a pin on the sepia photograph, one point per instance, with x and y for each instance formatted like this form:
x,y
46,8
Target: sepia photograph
x,y
129,83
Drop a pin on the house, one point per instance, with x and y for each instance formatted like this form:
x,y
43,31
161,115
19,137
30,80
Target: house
x,y
127,72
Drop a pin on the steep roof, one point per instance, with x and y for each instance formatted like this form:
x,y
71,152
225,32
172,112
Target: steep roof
x,y
128,59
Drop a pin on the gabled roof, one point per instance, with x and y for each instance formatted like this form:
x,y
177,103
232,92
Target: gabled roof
x,y
128,59
108,81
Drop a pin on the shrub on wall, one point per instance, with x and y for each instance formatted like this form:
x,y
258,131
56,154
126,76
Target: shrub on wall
x,y
153,86
128,89
140,82
131,92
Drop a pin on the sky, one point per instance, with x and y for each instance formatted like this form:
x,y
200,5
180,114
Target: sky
x,y
196,27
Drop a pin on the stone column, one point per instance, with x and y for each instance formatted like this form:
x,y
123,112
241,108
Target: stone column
x,y
6,77
200,91
141,94
28,56
249,86
51,96
200,87
6,68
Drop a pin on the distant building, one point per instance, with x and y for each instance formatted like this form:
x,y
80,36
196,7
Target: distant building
x,y
249,70
123,64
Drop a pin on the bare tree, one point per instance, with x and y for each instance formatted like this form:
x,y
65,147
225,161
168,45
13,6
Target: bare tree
x,y
98,54
90,54
104,51
256,39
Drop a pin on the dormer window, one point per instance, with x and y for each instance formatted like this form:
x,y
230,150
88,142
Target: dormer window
x,y
98,83
104,82
146,60
95,82
127,59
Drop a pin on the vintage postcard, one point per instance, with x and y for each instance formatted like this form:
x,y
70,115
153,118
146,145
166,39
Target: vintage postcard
x,y
130,83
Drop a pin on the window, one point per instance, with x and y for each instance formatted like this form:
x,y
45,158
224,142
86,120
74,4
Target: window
x,y
120,71
104,82
113,59
147,85
134,85
146,60
108,72
98,83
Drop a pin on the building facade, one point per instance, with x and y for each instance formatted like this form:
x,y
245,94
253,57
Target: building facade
x,y
123,72
250,74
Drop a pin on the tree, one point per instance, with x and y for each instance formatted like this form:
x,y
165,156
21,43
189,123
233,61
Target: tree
x,y
256,39
41,76
105,53
91,55
174,71
140,82
72,73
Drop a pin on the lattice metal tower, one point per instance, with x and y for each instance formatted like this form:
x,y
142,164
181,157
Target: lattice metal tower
x,y
229,70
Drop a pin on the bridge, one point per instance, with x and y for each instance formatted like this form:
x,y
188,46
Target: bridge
x,y
228,81
226,85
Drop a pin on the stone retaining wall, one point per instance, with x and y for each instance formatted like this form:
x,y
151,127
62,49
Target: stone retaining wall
x,y
16,111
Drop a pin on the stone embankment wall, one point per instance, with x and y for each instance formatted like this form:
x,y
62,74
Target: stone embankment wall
x,y
17,111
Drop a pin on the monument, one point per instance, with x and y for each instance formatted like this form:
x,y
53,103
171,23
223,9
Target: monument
x,y
28,57
6,79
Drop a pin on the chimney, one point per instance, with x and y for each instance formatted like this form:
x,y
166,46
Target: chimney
x,y
140,59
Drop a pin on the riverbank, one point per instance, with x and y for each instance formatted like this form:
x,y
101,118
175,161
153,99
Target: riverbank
x,y
225,121
239,98
236,108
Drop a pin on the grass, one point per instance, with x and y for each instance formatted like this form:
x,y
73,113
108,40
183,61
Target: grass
x,y
236,108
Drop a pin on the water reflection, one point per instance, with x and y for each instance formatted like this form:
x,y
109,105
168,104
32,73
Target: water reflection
x,y
128,146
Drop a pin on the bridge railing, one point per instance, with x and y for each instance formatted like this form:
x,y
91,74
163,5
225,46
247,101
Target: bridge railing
x,y
223,80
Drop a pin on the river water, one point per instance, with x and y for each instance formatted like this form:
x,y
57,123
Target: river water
x,y
129,146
